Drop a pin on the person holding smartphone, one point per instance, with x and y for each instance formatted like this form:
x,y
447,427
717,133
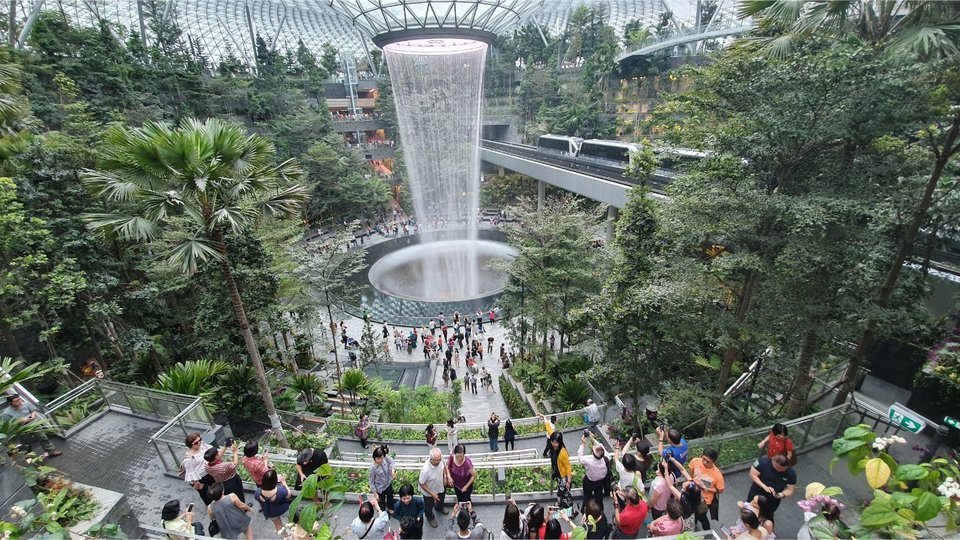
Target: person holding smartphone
x,y
371,521
176,521
225,472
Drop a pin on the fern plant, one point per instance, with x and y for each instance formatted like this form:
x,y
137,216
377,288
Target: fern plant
x,y
570,394
194,378
308,385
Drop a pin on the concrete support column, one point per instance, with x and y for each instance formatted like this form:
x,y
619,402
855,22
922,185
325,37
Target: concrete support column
x,y
612,214
541,194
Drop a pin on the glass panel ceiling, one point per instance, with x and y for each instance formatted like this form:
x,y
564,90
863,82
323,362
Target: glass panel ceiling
x,y
220,27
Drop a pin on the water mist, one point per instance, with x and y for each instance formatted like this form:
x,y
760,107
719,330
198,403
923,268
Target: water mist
x,y
438,89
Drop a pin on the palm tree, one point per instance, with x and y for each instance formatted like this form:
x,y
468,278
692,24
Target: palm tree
x,y
208,174
915,28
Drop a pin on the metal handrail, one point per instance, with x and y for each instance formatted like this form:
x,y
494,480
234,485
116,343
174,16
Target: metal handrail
x,y
70,396
415,466
159,434
482,456
704,441
466,425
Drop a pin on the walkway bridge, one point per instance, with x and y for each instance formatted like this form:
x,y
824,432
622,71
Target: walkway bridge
x,y
598,181
733,27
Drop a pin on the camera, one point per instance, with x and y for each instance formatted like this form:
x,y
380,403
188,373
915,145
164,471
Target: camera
x,y
586,433
228,442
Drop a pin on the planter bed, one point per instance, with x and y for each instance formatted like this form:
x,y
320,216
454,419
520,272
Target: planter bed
x,y
345,432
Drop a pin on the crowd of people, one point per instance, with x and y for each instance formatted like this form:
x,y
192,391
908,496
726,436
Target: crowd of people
x,y
650,494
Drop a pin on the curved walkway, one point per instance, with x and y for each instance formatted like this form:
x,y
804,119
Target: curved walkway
x,y
691,35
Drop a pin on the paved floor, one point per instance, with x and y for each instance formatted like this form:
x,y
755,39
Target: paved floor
x,y
476,407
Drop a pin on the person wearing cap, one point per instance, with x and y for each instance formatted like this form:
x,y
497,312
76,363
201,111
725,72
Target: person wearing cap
x,y
595,467
308,461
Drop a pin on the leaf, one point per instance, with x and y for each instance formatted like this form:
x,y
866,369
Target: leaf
x,y
928,506
888,459
831,491
911,472
903,499
857,432
841,447
877,516
878,472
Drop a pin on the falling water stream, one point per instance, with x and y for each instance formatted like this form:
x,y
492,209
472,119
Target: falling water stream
x,y
438,86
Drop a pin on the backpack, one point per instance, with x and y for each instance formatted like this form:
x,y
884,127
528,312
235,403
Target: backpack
x,y
453,374
607,480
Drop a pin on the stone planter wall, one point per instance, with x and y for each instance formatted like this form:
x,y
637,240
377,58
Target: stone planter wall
x,y
13,488
114,510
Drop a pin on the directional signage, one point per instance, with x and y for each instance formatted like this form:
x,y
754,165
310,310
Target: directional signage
x,y
952,422
906,418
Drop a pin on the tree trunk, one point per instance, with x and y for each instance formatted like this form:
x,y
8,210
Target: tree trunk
x,y
12,25
155,359
113,338
249,342
732,353
893,274
336,359
8,337
93,340
802,379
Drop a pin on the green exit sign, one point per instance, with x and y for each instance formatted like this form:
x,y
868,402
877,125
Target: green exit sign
x,y
952,422
906,418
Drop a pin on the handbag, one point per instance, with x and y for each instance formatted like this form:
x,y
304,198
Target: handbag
x,y
564,497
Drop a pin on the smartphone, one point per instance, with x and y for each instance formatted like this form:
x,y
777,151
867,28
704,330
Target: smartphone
x,y
190,507
228,442
725,530
552,508
586,433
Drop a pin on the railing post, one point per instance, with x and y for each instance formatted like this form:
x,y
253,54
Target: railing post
x,y
806,432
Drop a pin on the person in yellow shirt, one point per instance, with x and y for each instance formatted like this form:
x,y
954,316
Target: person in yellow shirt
x,y
559,457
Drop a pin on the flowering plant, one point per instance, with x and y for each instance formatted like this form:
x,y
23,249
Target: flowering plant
x,y
906,496
816,504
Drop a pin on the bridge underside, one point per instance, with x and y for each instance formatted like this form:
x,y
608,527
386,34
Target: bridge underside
x,y
591,187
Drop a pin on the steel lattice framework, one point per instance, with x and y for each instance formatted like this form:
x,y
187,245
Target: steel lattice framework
x,y
220,27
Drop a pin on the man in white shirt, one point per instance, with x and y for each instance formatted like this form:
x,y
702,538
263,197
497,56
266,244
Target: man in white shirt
x,y
431,485
593,414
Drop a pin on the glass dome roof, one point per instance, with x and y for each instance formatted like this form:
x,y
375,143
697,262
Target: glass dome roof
x,y
220,27
376,17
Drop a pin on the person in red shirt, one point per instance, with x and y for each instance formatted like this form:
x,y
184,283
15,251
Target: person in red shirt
x,y
778,442
629,520
254,464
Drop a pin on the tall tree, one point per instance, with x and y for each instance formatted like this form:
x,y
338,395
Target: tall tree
x,y
782,131
556,268
214,177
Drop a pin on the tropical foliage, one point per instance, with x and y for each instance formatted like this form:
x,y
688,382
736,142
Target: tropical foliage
x,y
906,497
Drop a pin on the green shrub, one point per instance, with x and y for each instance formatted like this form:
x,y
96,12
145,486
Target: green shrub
x,y
515,403
683,403
570,393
